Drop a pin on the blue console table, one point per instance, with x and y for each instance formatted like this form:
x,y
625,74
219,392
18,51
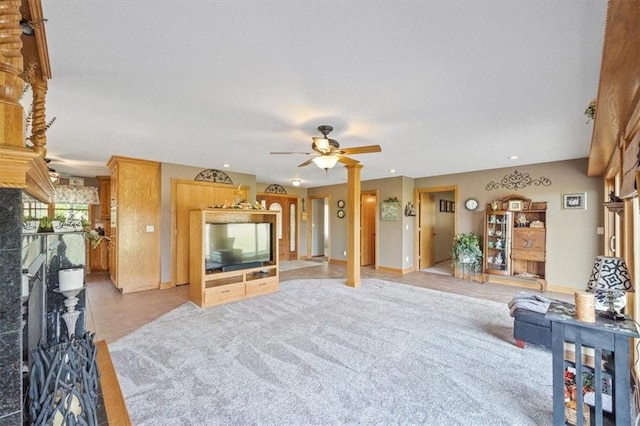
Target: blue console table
x,y
604,334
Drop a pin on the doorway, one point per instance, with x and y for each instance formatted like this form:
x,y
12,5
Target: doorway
x,y
288,223
318,228
436,227
368,228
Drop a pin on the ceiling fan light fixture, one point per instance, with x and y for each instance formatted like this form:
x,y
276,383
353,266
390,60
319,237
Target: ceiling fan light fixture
x,y
321,144
326,162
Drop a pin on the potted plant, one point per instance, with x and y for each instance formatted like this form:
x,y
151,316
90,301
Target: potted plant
x,y
58,223
30,224
46,224
466,249
95,238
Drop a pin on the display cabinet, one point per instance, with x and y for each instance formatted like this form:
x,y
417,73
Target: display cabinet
x,y
515,242
497,242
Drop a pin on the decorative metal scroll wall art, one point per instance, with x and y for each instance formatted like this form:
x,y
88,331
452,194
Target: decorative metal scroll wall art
x,y
517,180
213,175
274,188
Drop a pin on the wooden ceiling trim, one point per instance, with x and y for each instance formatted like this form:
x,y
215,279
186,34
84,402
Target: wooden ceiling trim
x,y
619,87
35,48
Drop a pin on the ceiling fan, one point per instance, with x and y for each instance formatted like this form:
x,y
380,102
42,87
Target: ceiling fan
x,y
328,151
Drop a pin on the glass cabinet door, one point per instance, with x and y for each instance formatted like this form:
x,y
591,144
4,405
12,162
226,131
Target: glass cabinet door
x,y
497,237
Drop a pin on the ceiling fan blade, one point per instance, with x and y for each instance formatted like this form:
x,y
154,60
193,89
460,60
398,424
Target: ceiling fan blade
x,y
348,161
306,163
292,152
361,149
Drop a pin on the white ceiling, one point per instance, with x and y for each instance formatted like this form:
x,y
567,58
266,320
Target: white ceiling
x,y
442,86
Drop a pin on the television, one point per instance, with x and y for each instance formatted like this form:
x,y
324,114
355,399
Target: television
x,y
233,246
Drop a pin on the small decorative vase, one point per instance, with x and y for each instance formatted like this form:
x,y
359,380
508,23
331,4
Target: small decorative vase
x,y
494,205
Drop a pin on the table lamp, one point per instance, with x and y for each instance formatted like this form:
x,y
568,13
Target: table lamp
x,y
610,276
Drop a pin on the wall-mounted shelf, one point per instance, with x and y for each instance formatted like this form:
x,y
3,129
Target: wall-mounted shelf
x,y
615,206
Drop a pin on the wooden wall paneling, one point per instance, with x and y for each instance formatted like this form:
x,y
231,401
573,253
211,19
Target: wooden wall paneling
x,y
187,195
137,210
618,89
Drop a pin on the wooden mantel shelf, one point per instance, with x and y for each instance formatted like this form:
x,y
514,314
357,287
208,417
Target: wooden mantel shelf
x,y
25,169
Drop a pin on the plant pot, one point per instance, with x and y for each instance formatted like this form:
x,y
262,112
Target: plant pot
x,y
30,226
67,226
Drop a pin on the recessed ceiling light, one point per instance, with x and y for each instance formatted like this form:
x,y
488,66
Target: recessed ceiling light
x,y
296,182
226,166
392,170
513,157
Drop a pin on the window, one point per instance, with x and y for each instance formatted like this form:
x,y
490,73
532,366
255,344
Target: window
x,y
34,208
73,211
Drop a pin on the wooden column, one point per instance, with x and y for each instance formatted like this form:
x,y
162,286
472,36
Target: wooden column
x,y
353,230
22,167
11,84
38,135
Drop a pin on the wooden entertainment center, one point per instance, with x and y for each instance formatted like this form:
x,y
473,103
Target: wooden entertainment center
x,y
209,288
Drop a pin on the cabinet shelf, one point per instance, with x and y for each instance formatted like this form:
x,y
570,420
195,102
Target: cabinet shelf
x,y
523,248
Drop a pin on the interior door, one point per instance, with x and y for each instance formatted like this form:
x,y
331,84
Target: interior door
x,y
368,204
287,225
427,229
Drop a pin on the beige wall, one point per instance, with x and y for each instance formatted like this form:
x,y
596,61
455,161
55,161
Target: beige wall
x,y
572,242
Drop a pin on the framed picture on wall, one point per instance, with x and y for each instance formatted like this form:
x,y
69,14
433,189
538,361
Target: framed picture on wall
x,y
443,206
390,211
575,201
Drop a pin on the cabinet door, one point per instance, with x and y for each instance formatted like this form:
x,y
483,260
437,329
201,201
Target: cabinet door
x,y
528,239
497,237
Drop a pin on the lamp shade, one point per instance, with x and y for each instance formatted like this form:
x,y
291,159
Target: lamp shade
x,y
321,143
610,273
326,161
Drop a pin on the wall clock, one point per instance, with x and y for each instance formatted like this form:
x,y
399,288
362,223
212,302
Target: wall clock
x,y
471,204
341,203
340,214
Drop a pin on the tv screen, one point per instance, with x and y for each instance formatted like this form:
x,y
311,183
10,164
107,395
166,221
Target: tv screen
x,y
237,245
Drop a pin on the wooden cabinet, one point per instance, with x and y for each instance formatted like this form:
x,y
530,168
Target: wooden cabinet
x,y
515,241
134,215
210,287
105,196
99,256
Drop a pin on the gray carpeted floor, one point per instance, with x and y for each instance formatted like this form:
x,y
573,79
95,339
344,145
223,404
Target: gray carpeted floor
x,y
319,352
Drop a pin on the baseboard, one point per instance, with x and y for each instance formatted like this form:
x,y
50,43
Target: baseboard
x,y
338,262
166,285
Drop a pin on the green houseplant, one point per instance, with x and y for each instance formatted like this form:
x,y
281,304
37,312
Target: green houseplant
x,y
46,225
466,249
